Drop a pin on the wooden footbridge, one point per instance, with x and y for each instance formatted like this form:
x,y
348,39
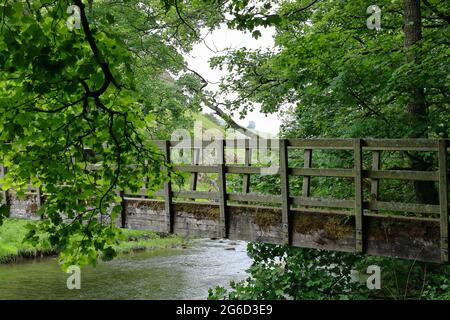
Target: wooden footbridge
x,y
361,224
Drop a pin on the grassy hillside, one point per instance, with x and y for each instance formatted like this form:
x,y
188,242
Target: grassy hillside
x,y
210,124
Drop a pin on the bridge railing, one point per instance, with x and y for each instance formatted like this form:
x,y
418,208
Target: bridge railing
x,y
361,205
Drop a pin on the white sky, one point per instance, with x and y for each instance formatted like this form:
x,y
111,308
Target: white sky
x,y
224,38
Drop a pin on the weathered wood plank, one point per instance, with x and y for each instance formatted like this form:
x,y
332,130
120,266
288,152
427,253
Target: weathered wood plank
x,y
443,199
400,144
235,196
168,193
359,210
246,177
284,180
323,202
307,201
247,170
307,162
402,175
402,207
123,212
194,175
196,195
4,193
334,144
322,172
221,180
375,183
323,144
39,197
145,180
399,218
193,168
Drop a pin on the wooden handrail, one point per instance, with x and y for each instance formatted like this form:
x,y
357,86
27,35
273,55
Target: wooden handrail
x,y
322,144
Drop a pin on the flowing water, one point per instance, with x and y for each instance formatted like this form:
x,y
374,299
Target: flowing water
x,y
158,274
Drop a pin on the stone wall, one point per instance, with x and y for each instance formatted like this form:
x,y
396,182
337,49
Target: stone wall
x,y
25,208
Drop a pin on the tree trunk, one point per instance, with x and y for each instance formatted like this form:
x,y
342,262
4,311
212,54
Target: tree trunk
x,y
416,107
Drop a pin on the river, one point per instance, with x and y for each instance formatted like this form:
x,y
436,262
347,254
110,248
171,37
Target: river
x,y
159,274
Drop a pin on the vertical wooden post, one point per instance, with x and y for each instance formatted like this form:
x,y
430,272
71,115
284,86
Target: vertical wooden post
x,y
222,184
247,163
39,200
39,197
358,195
307,179
443,198
284,179
4,193
168,193
194,175
375,183
123,212
145,180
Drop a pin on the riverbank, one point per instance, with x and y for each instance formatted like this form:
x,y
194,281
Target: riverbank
x,y
13,231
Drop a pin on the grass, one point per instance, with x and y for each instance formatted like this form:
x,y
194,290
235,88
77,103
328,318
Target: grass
x,y
207,123
13,231
136,240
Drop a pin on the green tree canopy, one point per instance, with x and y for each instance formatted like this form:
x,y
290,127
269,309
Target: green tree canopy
x,y
108,86
344,79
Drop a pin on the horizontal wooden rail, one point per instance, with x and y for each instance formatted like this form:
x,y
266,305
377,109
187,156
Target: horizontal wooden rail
x,y
195,168
313,144
254,197
323,202
316,172
196,195
319,172
400,144
249,170
402,175
323,144
402,207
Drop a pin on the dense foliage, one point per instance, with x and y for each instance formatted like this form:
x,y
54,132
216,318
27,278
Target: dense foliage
x,y
343,79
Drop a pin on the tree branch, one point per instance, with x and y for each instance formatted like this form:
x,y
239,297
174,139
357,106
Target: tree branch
x,y
109,78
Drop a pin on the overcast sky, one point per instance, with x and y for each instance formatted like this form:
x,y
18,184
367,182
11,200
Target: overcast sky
x,y
224,38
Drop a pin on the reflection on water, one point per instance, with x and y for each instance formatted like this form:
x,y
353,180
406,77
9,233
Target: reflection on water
x,y
160,274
